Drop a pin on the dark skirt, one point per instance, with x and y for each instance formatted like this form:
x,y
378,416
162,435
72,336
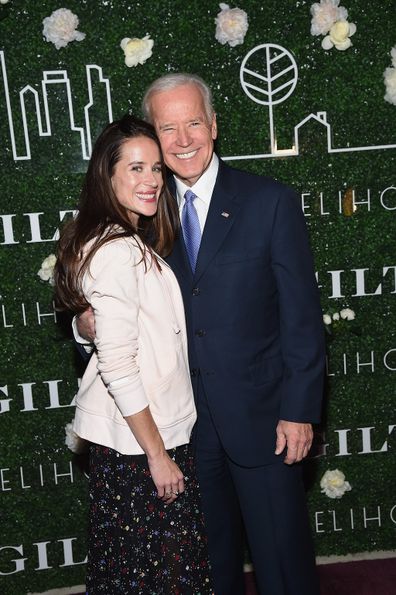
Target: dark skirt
x,y
138,544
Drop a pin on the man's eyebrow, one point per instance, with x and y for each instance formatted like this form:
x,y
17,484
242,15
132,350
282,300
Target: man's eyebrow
x,y
166,124
200,117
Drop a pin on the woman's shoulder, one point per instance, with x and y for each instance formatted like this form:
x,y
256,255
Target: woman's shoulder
x,y
122,245
114,239
115,252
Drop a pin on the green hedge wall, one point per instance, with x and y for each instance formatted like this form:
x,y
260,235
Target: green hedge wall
x,y
43,499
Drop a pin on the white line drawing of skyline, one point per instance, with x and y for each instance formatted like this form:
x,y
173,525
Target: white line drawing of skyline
x,y
265,98
252,83
53,77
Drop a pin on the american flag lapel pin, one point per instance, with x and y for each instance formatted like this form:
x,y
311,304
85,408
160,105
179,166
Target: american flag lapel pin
x,y
224,214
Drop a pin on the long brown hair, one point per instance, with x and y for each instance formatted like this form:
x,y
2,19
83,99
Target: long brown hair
x,y
101,218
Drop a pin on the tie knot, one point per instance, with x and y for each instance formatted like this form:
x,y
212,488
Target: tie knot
x,y
189,196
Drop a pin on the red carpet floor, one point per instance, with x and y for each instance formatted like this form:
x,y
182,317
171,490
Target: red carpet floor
x,y
368,577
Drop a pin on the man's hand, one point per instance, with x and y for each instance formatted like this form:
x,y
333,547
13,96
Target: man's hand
x,y
297,437
86,325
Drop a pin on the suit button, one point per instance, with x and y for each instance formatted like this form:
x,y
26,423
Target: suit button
x,y
200,333
196,291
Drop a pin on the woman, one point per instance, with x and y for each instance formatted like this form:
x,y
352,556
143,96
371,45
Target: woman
x,y
135,403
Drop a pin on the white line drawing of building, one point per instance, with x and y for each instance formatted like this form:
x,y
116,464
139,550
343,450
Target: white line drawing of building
x,y
272,53
53,77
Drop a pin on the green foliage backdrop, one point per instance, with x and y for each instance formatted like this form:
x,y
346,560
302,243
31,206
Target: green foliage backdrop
x,y
44,501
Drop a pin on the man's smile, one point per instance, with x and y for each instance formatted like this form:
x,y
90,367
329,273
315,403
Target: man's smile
x,y
187,155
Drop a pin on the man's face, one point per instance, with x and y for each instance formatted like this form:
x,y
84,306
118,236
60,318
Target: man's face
x,y
184,131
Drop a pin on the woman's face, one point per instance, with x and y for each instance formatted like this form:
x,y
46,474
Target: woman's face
x,y
137,178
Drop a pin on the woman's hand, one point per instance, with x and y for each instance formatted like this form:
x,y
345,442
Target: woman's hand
x,y
167,477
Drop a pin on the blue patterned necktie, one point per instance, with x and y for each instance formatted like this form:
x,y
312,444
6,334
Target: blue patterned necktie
x,y
191,228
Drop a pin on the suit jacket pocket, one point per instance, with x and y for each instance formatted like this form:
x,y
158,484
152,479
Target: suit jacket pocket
x,y
242,256
266,370
171,398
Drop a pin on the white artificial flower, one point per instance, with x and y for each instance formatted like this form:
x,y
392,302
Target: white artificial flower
x,y
325,14
231,25
347,314
46,272
136,50
61,27
73,441
327,319
390,80
4,1
339,36
390,85
333,484
336,316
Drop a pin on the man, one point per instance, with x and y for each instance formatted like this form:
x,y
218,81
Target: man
x,y
256,346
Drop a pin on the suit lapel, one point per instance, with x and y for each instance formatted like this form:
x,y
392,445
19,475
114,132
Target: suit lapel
x,y
178,259
224,206
221,216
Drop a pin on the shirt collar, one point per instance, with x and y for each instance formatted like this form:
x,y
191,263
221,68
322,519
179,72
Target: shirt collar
x,y
203,187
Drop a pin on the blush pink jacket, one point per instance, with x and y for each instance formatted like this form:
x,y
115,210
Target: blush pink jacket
x,y
140,358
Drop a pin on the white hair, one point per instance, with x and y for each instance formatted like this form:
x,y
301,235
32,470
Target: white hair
x,y
173,80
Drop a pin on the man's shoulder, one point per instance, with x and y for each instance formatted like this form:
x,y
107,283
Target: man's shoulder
x,y
249,181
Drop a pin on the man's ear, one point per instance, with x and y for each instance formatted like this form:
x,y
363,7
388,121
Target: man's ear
x,y
213,127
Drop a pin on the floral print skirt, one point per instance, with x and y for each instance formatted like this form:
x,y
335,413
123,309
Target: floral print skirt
x,y
138,544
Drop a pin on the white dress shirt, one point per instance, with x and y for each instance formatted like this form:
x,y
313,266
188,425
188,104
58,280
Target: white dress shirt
x,y
203,189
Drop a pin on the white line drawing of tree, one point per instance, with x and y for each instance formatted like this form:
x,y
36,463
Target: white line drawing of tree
x,y
269,79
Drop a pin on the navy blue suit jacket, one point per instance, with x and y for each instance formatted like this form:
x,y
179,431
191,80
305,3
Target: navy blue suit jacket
x,y
253,314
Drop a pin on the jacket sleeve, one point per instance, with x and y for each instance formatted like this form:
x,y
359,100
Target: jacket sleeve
x,y
111,287
301,323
